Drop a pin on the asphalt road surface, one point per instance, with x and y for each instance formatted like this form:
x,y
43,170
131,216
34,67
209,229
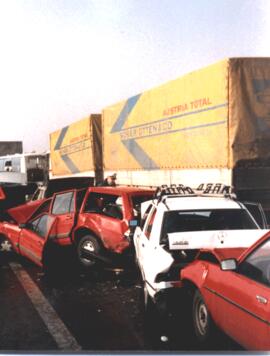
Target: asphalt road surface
x,y
74,310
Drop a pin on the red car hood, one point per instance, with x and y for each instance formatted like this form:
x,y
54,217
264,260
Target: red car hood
x,y
23,212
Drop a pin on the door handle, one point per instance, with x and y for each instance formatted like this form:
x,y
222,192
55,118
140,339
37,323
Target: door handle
x,y
68,217
261,299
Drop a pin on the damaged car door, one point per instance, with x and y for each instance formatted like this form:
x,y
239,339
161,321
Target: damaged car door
x,y
63,206
33,237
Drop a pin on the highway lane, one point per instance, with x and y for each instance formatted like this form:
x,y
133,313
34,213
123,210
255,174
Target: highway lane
x,y
77,310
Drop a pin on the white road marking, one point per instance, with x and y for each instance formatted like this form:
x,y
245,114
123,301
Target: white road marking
x,y
63,338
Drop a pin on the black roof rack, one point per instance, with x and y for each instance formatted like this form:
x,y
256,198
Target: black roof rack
x,y
215,189
204,189
173,190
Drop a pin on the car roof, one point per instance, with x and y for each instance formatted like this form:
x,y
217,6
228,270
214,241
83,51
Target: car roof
x,y
201,202
121,189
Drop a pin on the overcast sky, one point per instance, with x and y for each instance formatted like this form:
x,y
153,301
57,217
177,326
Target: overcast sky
x,y
64,59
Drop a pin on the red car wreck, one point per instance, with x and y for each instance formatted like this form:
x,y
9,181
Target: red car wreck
x,y
231,290
97,221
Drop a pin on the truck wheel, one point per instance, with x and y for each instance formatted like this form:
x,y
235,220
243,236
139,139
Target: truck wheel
x,y
202,321
88,247
5,244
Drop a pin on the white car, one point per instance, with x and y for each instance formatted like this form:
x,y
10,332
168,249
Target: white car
x,y
178,223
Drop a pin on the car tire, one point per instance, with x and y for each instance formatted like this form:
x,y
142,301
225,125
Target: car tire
x,y
202,321
88,245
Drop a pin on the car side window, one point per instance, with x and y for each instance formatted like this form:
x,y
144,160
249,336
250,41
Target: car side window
x,y
63,203
145,215
94,203
258,214
106,204
257,265
33,224
41,225
149,225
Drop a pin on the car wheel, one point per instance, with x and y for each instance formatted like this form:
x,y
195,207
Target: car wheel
x,y
87,249
5,244
202,320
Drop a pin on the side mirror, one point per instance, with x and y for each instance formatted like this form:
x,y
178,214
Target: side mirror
x,y
228,265
133,223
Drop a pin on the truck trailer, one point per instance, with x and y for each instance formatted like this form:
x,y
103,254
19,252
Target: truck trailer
x,y
76,150
211,125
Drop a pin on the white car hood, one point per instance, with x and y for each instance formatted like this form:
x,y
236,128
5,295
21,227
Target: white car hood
x,y
214,239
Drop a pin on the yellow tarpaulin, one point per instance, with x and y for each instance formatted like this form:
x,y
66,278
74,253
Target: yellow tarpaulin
x,y
77,148
182,124
210,118
249,109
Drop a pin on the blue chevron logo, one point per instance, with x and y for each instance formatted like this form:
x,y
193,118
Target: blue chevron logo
x,y
162,126
131,145
67,160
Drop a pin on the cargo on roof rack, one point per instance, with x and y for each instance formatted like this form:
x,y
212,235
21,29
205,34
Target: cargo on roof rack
x,y
169,190
216,189
204,189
